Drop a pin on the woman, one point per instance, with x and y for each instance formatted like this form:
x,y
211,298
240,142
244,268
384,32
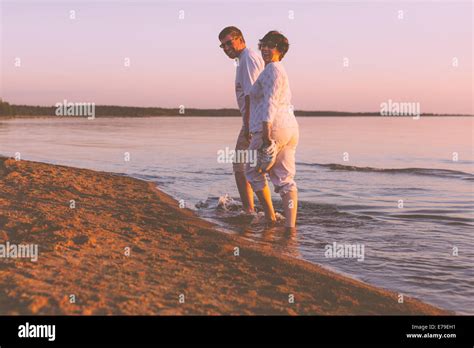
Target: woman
x,y
273,124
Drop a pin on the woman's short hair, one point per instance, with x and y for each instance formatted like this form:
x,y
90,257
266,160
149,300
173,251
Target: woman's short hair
x,y
279,39
233,31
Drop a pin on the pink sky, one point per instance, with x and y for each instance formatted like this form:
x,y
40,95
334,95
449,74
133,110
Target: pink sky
x,y
176,62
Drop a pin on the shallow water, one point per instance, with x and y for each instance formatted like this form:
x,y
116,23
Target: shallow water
x,y
351,174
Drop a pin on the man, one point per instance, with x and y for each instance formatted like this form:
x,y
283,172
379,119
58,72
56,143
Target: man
x,y
249,65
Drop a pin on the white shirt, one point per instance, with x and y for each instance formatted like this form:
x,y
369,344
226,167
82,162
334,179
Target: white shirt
x,y
270,99
249,66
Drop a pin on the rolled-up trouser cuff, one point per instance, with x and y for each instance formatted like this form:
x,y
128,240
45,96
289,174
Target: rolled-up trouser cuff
x,y
241,144
238,167
257,181
283,190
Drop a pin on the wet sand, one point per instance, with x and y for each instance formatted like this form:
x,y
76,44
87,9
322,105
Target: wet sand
x,y
128,248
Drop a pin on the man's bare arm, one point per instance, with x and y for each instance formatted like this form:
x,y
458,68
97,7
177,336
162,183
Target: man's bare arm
x,y
247,116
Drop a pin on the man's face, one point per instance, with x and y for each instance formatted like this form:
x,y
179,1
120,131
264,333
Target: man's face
x,y
232,46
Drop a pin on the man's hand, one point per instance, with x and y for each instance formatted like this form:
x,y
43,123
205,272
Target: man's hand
x,y
247,134
266,133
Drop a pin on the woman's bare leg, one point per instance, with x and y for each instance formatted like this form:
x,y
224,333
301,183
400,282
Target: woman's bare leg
x,y
245,192
290,207
265,198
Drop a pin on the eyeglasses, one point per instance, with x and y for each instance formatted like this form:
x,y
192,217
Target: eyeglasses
x,y
269,44
227,43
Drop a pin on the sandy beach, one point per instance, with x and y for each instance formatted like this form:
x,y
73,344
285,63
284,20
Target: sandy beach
x,y
128,248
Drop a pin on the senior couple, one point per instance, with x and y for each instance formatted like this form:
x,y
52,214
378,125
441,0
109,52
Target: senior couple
x,y
269,125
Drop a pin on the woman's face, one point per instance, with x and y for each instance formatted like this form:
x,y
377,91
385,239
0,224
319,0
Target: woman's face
x,y
270,52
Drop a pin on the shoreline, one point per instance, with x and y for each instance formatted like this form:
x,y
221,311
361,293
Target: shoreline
x,y
127,248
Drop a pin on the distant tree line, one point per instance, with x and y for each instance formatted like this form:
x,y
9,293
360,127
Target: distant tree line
x,y
7,109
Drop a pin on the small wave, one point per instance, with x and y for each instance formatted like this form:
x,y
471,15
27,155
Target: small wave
x,y
227,203
443,173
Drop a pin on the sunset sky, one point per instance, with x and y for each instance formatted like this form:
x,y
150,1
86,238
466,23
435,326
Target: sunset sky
x,y
177,61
